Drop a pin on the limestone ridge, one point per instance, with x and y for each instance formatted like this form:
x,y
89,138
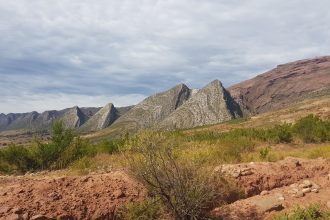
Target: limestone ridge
x,y
33,121
102,119
154,109
210,105
74,118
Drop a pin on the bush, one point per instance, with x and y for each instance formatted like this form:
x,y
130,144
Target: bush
x,y
312,129
264,152
17,158
232,149
185,191
149,209
313,212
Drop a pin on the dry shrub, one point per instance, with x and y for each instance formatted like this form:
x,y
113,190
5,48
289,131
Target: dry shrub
x,y
182,187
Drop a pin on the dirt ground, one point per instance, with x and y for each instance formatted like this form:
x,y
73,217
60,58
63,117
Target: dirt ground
x,y
277,187
82,197
270,187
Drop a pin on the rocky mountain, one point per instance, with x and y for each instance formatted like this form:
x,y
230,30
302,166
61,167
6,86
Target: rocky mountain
x,y
209,105
283,85
72,118
101,119
181,107
154,109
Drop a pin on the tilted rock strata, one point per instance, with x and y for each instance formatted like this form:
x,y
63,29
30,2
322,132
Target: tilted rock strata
x,y
155,108
102,119
212,104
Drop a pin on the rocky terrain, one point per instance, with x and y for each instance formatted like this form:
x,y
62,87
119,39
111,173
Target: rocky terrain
x,y
101,119
34,121
283,85
210,105
277,187
271,188
155,108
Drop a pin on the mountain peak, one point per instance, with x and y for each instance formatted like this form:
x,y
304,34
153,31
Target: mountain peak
x,y
211,104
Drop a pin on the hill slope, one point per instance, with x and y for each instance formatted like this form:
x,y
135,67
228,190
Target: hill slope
x,y
283,85
154,109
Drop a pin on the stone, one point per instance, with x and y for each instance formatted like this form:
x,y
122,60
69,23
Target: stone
x,y
315,190
294,185
246,171
306,190
265,192
25,216
299,194
268,204
40,217
315,186
307,183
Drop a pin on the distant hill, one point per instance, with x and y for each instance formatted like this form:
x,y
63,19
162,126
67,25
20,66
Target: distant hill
x,y
182,107
283,85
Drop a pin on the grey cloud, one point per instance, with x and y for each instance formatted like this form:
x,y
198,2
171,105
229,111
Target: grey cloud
x,y
66,49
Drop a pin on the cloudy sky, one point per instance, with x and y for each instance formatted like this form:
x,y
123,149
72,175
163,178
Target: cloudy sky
x,y
57,54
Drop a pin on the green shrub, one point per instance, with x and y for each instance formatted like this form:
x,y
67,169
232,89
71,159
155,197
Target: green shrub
x,y
312,129
17,158
149,209
283,133
264,153
232,149
312,212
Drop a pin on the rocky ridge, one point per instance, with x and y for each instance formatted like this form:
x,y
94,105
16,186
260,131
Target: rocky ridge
x,y
154,109
101,119
182,107
209,105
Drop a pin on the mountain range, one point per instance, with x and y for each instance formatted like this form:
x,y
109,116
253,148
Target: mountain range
x,y
182,107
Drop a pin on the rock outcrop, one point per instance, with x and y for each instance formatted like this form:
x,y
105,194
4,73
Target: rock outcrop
x,y
33,121
154,109
73,118
283,85
210,105
102,119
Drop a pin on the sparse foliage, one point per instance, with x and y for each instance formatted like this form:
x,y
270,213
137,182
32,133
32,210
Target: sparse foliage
x,y
184,190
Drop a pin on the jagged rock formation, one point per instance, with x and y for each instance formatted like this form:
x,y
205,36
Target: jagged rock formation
x,y
181,107
154,109
102,119
283,85
33,121
212,104
74,118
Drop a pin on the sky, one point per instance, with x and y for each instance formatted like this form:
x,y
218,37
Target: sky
x,y
58,54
